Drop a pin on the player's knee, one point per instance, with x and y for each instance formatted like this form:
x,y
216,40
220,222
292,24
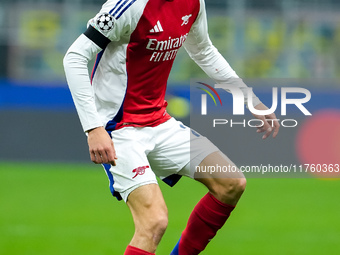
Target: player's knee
x,y
236,187
229,190
241,186
156,225
160,225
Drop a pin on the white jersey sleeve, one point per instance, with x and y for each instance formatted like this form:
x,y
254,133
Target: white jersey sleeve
x,y
202,51
78,79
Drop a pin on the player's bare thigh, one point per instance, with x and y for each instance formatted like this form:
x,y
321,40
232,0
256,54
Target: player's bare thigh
x,y
224,180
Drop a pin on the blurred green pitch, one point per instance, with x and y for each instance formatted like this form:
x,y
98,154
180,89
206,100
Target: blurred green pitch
x,y
67,209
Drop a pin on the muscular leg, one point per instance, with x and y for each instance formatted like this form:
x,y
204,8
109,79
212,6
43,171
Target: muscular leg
x,y
211,212
227,187
150,217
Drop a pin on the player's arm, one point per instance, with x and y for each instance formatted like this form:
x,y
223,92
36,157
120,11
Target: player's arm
x,y
108,25
76,60
200,49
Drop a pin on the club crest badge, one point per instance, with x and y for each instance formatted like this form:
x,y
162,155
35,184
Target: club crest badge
x,y
186,19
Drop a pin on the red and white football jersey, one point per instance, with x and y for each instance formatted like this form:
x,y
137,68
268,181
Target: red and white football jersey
x,y
136,42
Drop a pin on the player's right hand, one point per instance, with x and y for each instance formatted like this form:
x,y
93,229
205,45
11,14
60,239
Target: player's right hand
x,y
101,147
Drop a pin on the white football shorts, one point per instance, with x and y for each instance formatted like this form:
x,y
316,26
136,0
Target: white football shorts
x,y
166,151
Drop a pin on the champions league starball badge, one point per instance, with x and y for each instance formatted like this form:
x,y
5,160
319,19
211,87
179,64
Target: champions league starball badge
x,y
105,22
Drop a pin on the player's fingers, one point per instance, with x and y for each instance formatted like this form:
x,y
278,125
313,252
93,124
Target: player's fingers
x,y
97,156
93,156
274,124
276,128
260,129
268,132
99,159
112,158
103,157
267,129
111,154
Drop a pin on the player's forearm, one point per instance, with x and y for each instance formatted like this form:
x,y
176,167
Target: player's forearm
x,y
75,65
221,72
218,69
211,61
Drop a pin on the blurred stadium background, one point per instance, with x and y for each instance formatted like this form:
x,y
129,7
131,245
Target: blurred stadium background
x,y
53,201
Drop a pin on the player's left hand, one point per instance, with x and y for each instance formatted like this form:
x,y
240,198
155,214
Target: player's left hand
x,y
271,125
